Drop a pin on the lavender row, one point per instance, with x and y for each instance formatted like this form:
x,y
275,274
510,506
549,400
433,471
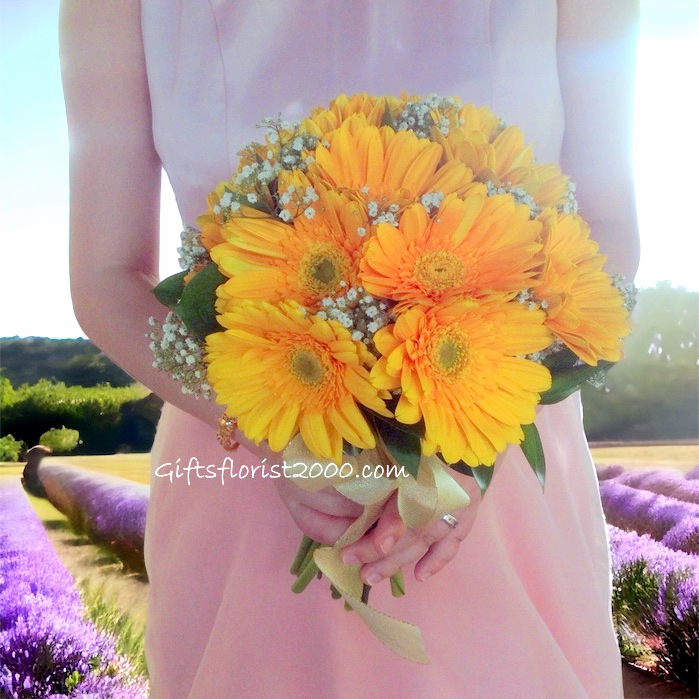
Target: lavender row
x,y
656,594
108,509
674,522
663,482
47,647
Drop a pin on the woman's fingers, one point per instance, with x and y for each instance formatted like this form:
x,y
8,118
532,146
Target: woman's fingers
x,y
328,500
333,503
432,547
322,515
438,555
379,541
320,526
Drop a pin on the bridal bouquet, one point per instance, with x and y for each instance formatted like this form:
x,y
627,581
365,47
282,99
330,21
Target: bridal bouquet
x,y
391,279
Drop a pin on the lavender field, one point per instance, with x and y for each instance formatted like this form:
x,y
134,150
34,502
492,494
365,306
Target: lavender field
x,y
653,520
653,517
48,647
109,510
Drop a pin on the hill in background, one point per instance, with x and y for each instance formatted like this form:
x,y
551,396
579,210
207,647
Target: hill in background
x,y
75,362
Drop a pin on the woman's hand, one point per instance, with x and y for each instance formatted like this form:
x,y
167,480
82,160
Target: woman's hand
x,y
391,546
323,515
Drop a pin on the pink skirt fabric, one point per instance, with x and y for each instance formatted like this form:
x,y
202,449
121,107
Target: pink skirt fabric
x,y
524,610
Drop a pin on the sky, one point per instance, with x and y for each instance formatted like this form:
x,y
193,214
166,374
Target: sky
x,y
34,286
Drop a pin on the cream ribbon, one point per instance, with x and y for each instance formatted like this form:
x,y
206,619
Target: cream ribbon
x,y
432,495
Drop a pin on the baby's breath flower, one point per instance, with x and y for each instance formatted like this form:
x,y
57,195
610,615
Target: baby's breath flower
x,y
191,252
360,313
432,201
570,203
419,116
520,195
627,289
177,354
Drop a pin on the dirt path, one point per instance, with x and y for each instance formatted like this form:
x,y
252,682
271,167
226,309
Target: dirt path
x,y
638,684
88,563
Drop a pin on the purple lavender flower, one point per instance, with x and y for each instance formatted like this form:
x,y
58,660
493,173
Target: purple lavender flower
x,y
47,646
663,482
693,475
656,594
607,472
108,509
684,536
642,510
628,547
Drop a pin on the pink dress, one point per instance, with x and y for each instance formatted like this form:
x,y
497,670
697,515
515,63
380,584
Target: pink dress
x,y
525,608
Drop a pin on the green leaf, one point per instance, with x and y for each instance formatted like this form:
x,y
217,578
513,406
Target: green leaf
x,y
397,584
73,680
403,447
169,290
196,305
567,382
481,474
563,359
534,452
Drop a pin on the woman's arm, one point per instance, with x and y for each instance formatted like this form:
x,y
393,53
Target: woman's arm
x,y
115,190
596,66
115,208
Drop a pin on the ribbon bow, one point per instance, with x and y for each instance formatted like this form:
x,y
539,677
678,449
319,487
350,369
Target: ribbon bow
x,y
421,500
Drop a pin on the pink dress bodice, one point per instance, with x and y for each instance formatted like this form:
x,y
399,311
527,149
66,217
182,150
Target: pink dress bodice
x,y
217,68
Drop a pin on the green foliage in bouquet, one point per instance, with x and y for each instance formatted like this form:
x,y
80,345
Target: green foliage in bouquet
x,y
193,302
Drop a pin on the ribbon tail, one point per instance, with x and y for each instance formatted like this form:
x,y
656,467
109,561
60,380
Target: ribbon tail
x,y
401,637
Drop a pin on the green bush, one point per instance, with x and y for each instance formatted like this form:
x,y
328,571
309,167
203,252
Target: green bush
x,y
7,393
60,441
99,413
10,448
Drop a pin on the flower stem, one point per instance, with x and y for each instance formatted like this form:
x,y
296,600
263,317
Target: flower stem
x,y
397,584
309,555
304,546
307,574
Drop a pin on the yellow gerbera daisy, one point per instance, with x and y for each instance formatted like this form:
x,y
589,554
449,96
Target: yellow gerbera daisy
x,y
471,248
211,222
279,371
341,108
480,119
502,158
458,369
381,165
583,308
307,260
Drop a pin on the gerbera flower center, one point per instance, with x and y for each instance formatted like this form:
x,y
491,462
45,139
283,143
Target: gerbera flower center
x,y
438,270
322,269
449,353
307,366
